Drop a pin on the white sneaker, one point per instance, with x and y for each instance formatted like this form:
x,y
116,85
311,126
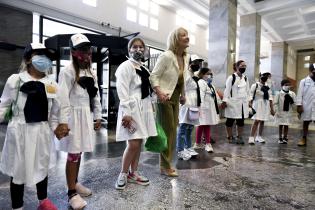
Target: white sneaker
x,y
251,140
121,181
191,151
83,191
198,146
185,155
76,202
19,208
260,139
208,148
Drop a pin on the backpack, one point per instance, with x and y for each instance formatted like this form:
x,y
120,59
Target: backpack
x,y
233,81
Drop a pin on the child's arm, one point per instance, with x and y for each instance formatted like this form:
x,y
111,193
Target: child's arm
x,y
8,95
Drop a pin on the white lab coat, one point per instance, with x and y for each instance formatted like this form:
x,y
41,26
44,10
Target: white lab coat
x,y
208,113
240,97
260,105
283,117
75,111
191,99
28,147
306,98
128,86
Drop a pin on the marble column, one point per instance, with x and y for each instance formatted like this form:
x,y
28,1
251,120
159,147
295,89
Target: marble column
x,y
279,54
249,50
222,39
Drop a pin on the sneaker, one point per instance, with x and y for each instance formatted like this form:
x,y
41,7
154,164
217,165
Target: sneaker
x,y
183,155
260,139
232,140
191,151
280,141
19,208
198,146
76,202
208,148
285,140
46,204
170,172
302,142
121,181
239,140
137,178
83,191
251,140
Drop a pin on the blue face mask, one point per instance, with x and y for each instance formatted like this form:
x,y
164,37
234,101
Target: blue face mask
x,y
41,63
209,81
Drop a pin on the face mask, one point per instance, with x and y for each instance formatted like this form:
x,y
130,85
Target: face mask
x,y
242,70
205,77
82,56
137,55
264,78
194,67
41,63
286,88
209,81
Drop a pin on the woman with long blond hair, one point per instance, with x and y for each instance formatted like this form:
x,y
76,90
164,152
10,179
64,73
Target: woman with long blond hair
x,y
167,80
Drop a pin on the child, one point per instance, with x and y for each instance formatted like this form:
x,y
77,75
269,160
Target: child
x,y
235,101
135,120
283,103
28,143
186,124
80,103
305,102
209,109
261,102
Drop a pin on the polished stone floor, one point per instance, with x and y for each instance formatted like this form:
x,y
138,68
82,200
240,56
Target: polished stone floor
x,y
263,176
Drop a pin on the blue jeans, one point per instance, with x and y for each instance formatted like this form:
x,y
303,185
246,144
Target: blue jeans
x,y
183,139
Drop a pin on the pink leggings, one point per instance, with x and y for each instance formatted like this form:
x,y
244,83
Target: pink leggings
x,y
203,129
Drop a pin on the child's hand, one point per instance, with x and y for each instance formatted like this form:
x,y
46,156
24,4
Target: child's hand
x,y
61,131
300,109
272,112
97,124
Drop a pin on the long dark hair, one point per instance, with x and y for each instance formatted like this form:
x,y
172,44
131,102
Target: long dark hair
x,y
203,71
237,64
76,66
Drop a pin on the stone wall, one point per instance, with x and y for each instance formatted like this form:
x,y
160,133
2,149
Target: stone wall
x,y
16,28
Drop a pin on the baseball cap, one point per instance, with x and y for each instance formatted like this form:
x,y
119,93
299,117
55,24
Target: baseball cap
x,y
37,47
79,40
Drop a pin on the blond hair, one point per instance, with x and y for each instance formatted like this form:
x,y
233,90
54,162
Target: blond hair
x,y
173,38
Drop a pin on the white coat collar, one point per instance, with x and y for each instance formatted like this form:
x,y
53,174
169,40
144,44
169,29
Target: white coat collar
x,y
26,77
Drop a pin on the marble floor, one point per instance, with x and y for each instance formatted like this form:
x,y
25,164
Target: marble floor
x,y
263,176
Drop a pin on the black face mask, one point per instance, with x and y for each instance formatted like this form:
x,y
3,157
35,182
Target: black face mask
x,y
263,78
194,67
242,70
137,55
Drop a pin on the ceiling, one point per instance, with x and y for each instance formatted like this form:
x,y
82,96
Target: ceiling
x,y
292,21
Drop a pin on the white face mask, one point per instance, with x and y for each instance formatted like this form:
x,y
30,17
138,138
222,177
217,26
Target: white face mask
x,y
286,88
206,77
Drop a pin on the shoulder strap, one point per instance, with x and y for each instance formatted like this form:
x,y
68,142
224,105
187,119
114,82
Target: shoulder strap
x,y
233,81
255,91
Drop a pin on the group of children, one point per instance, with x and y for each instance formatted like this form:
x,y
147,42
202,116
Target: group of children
x,y
240,101
36,108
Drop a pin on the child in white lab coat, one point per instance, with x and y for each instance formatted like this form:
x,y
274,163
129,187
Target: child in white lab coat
x,y
305,102
209,109
283,103
135,120
261,102
32,97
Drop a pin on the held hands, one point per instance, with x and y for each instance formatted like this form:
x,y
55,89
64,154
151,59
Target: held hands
x,y
299,109
182,100
61,131
126,121
97,124
162,96
272,112
223,105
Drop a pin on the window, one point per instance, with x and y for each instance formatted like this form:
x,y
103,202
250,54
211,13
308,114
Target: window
x,y
143,19
92,3
131,14
306,65
148,13
154,24
307,58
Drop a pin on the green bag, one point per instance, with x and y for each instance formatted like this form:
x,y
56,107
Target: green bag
x,y
157,143
9,112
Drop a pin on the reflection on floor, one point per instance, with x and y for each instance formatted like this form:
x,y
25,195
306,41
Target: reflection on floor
x,y
263,176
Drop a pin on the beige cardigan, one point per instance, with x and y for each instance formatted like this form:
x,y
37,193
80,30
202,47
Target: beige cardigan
x,y
166,71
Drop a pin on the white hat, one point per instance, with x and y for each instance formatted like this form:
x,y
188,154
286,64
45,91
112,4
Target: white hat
x,y
195,57
78,40
263,71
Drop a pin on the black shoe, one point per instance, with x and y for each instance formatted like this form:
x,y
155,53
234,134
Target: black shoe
x,y
232,140
285,140
280,141
239,140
